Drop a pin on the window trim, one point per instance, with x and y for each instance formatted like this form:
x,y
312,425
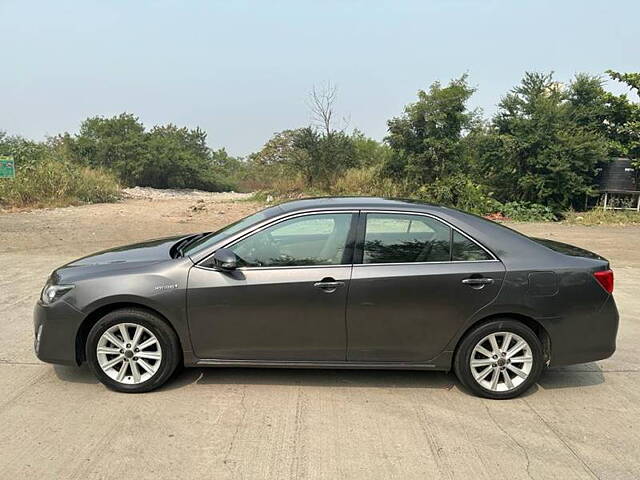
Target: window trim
x,y
356,237
358,257
351,239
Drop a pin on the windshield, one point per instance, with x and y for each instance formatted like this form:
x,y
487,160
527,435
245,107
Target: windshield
x,y
231,229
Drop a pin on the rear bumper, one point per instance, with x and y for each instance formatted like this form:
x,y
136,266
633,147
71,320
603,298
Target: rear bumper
x,y
586,338
55,328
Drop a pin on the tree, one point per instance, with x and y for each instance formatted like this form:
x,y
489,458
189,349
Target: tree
x,y
26,153
225,166
283,151
318,153
116,143
321,104
631,79
329,150
177,158
625,117
614,117
318,158
333,155
426,139
167,156
369,152
537,148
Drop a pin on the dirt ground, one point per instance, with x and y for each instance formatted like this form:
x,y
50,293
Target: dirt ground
x,y
59,423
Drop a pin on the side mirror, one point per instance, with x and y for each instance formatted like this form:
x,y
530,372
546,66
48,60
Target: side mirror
x,y
225,259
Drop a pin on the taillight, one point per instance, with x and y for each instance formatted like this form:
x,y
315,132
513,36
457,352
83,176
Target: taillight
x,y
605,278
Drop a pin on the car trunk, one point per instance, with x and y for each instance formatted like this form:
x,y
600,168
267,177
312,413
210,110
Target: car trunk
x,y
570,250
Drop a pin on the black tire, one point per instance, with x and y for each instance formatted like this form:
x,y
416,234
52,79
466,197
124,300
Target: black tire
x,y
171,352
463,370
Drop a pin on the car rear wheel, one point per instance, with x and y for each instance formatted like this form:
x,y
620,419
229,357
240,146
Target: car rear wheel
x,y
500,359
132,351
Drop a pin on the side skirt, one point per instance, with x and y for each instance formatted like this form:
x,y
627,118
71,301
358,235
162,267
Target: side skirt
x,y
210,362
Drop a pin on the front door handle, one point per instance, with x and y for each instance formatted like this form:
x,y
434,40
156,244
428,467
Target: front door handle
x,y
328,285
477,283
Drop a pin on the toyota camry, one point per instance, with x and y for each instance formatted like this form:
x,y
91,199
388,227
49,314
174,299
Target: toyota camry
x,y
334,283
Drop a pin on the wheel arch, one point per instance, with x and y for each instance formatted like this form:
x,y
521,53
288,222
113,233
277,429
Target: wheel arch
x,y
92,318
540,331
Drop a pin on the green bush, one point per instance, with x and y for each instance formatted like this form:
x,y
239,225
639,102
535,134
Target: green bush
x,y
459,191
527,212
58,183
166,156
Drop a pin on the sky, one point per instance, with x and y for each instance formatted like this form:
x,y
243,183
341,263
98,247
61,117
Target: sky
x,y
242,70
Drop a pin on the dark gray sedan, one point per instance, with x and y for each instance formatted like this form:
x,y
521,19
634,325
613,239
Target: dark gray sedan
x,y
334,283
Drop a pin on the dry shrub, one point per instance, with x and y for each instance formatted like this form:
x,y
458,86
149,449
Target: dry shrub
x,y
53,183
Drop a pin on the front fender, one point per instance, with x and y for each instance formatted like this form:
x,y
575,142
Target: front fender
x,y
175,317
162,291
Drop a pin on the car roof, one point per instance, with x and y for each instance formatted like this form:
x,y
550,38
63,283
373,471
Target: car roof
x,y
513,248
358,202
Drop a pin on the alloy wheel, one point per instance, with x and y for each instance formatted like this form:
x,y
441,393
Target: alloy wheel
x,y
129,353
501,361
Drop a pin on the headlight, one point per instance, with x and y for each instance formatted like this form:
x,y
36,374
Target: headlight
x,y
51,293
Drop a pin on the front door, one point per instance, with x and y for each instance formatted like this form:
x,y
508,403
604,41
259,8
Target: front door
x,y
416,282
287,300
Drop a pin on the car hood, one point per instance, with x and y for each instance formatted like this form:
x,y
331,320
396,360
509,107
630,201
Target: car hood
x,y
116,260
145,252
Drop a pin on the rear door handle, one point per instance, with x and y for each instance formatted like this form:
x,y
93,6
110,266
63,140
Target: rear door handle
x,y
477,282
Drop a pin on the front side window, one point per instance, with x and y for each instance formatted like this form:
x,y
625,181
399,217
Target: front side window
x,y
318,239
404,238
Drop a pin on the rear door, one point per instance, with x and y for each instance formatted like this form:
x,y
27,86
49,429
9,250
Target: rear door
x,y
414,283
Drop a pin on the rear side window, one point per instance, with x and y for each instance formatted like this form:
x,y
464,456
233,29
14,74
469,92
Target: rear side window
x,y
465,250
400,238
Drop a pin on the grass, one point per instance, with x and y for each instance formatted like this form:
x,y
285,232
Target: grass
x,y
54,183
602,217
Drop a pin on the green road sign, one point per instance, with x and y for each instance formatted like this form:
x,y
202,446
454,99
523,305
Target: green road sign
x,y
7,167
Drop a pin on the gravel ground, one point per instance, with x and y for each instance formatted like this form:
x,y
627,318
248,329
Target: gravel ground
x,y
148,193
581,422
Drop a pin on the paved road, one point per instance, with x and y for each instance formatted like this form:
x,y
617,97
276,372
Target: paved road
x,y
581,422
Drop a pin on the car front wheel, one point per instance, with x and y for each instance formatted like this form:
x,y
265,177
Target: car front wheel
x,y
132,351
500,359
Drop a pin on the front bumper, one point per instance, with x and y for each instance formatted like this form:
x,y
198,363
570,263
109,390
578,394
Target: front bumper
x,y
56,328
